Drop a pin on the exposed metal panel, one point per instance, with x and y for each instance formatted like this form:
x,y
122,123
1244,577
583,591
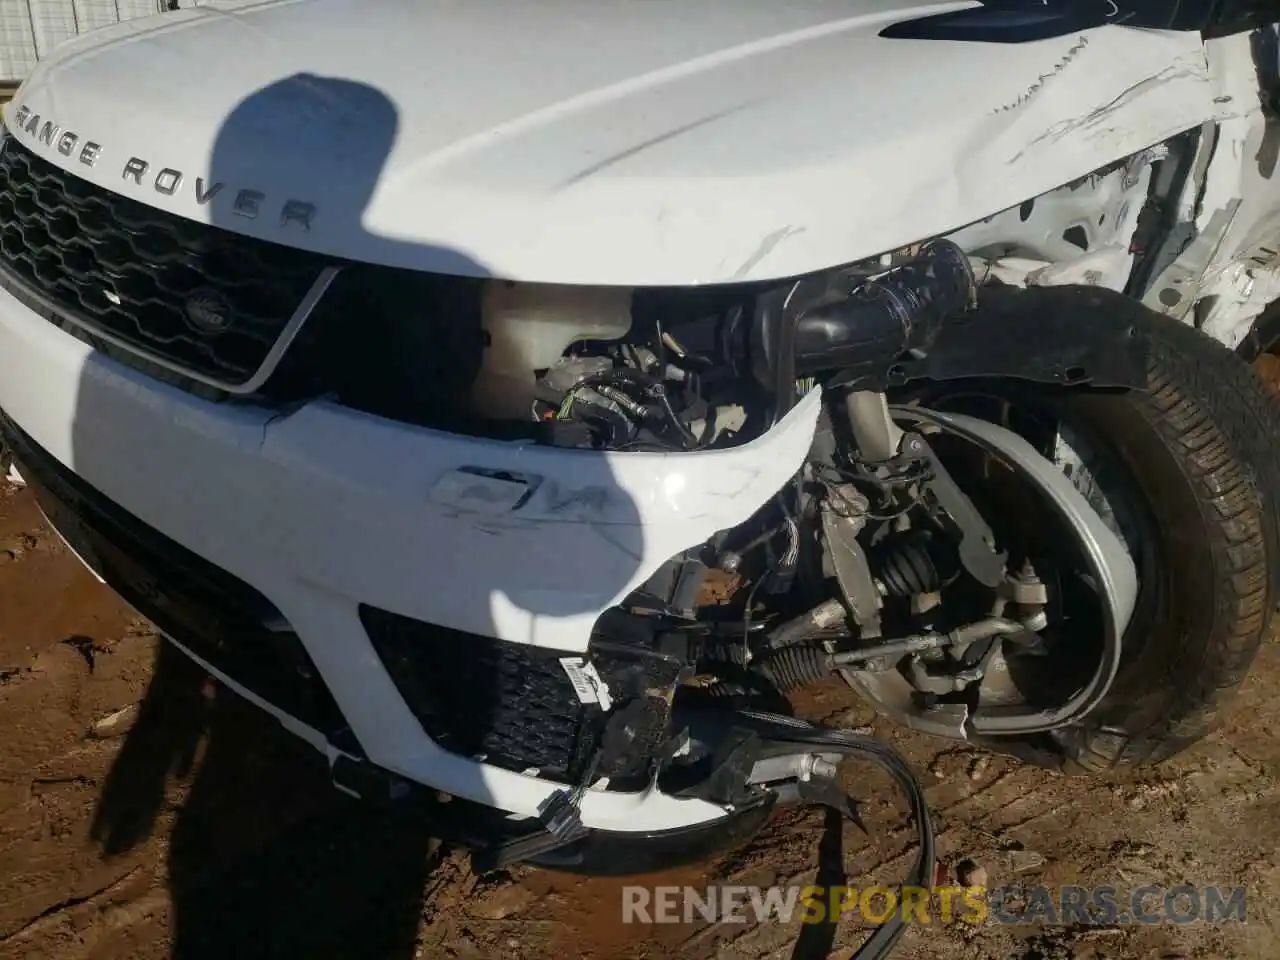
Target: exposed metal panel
x,y
31,29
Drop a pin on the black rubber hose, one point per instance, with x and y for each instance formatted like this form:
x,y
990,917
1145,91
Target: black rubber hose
x,y
777,727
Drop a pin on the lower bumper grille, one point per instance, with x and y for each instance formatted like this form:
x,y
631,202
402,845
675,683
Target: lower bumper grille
x,y
515,706
215,615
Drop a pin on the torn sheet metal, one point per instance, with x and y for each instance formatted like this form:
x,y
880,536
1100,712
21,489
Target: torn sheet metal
x,y
1228,270
1218,260
1079,233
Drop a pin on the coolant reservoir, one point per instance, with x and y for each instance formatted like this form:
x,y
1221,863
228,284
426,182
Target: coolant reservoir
x,y
529,326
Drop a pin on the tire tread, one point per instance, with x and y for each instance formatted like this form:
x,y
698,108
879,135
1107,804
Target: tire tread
x,y
1220,421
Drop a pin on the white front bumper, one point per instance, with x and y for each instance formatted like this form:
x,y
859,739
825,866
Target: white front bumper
x,y
326,508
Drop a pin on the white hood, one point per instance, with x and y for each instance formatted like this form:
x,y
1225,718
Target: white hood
x,y
598,141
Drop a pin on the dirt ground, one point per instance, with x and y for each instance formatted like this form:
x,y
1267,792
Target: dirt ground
x,y
146,814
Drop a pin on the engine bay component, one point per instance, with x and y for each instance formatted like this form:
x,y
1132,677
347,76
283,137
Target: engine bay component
x,y
977,549
856,323
849,565
1112,571
926,597
798,665
1112,565
528,327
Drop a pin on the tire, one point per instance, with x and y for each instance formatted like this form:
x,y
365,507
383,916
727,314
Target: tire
x,y
1202,447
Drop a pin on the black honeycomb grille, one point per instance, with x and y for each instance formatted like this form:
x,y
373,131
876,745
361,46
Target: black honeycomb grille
x,y
128,271
513,705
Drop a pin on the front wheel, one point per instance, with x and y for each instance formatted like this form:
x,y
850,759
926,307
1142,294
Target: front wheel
x,y
1203,446
1188,472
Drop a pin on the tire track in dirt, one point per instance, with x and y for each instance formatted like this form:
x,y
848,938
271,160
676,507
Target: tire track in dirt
x,y
60,921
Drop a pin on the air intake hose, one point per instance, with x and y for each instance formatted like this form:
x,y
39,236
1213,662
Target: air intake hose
x,y
844,321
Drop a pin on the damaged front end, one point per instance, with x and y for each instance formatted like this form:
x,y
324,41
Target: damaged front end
x,y
871,536
653,371
597,540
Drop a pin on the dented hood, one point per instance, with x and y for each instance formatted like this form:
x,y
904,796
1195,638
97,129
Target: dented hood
x,y
596,141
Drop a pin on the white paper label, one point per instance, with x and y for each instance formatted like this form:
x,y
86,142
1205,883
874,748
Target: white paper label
x,y
587,682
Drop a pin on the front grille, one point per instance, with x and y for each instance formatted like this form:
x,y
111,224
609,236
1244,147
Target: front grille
x,y
140,275
513,705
